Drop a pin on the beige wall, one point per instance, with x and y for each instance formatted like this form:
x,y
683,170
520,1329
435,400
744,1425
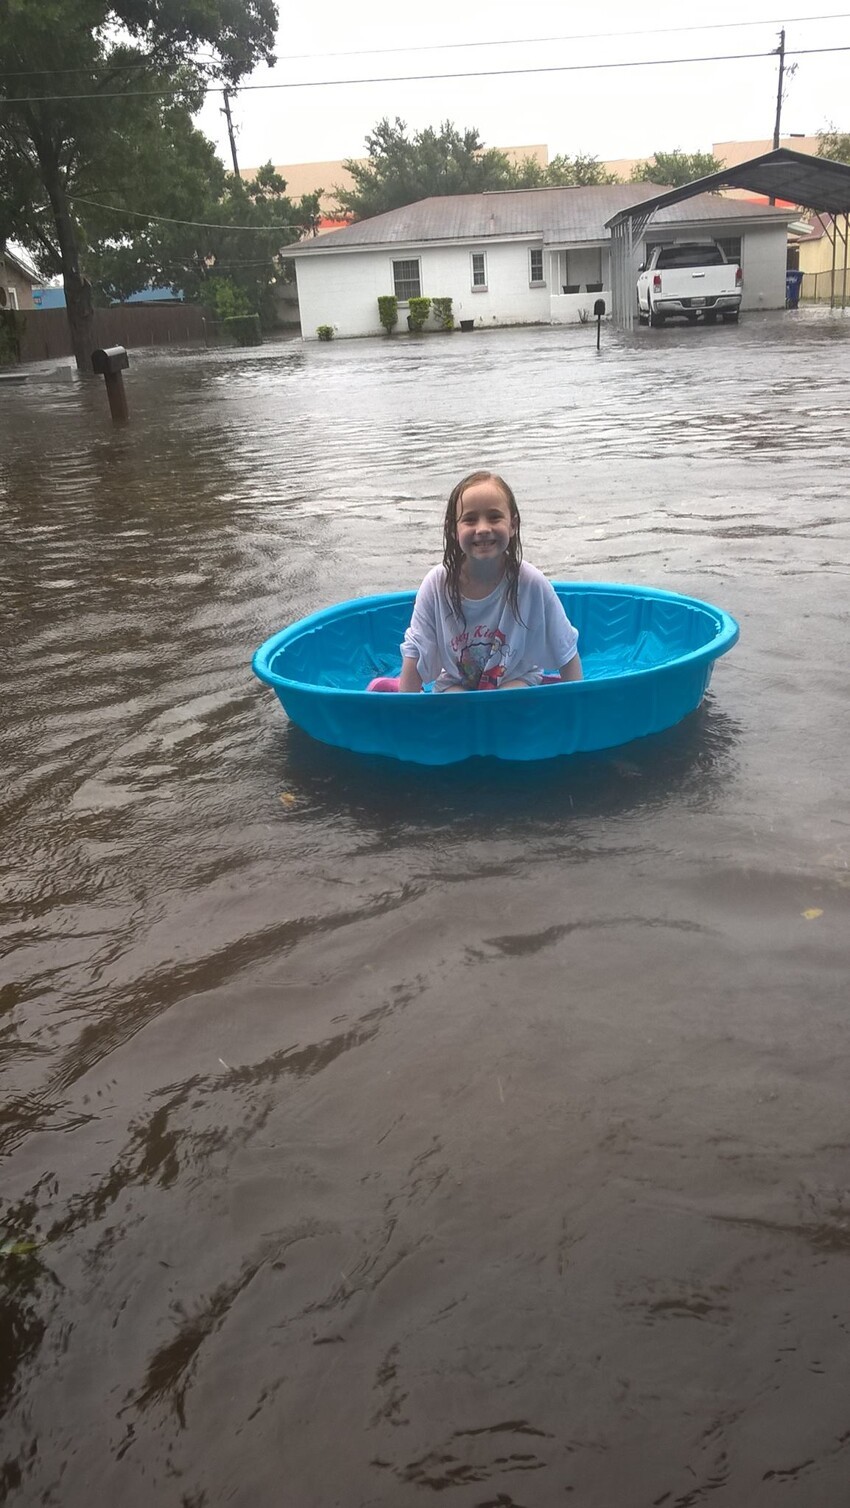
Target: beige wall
x,y
308,177
10,277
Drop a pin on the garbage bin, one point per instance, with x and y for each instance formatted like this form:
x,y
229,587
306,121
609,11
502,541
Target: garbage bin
x,y
793,283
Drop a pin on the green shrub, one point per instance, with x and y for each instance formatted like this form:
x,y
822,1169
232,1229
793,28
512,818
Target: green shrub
x,y
419,309
442,308
244,328
325,332
226,300
388,312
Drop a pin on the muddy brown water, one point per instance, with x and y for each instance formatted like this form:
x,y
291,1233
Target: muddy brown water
x,y
477,1131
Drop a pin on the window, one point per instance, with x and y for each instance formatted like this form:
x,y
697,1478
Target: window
x,y
406,279
479,269
690,255
535,265
13,298
731,248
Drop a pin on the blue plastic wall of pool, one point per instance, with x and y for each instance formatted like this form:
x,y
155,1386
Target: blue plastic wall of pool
x,y
647,658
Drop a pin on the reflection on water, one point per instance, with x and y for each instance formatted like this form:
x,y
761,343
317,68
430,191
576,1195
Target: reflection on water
x,y
483,1119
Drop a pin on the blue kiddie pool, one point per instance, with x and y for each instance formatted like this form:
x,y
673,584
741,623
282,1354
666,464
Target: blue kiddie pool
x,y
647,659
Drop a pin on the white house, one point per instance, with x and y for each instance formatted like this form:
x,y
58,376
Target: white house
x,y
518,257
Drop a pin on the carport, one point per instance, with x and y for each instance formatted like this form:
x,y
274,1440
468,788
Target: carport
x,y
814,183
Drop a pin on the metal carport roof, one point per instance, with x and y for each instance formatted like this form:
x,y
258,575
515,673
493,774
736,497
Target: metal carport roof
x,y
815,183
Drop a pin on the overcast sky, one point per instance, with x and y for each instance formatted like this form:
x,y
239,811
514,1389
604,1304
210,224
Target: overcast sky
x,y
611,113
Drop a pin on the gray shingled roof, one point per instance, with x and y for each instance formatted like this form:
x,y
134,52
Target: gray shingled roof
x,y
557,214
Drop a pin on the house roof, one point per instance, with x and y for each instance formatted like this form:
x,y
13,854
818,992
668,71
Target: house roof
x,y
559,215
816,183
19,259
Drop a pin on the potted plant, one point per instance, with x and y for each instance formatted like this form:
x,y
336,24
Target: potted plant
x,y
571,287
593,287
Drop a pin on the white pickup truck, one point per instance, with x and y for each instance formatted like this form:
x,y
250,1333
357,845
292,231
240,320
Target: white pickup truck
x,y
689,281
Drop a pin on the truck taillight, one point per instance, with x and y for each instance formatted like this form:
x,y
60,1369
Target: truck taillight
x,y
739,277
656,282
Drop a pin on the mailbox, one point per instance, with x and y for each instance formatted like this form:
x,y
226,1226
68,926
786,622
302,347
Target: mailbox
x,y
598,307
109,361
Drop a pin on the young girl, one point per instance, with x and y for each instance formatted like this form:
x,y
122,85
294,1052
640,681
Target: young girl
x,y
485,620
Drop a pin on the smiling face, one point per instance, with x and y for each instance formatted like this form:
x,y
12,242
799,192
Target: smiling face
x,y
485,524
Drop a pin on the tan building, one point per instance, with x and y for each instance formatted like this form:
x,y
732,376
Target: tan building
x,y
821,261
18,277
310,177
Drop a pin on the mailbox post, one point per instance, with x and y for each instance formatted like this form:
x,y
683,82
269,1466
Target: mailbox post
x,y
110,363
599,310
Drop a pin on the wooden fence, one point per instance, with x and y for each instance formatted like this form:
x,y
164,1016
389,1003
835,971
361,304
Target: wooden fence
x,y
43,334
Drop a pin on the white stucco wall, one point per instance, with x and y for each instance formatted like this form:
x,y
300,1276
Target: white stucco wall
x,y
343,288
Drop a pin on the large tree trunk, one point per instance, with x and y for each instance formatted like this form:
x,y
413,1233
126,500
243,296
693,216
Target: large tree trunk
x,y
77,287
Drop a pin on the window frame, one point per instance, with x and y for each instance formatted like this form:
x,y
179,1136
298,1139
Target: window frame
x,y
404,299
12,294
478,287
534,282
724,241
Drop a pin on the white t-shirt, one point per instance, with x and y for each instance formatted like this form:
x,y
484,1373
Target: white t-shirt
x,y
488,645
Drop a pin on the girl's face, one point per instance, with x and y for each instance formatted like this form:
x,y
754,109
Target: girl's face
x,y
485,527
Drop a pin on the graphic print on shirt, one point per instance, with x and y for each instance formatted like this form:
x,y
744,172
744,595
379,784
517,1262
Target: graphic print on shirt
x,y
482,657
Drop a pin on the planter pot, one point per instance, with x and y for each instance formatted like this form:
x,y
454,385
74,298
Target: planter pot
x,y
594,287
467,324
571,287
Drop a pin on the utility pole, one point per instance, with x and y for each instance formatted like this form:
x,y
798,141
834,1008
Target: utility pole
x,y
226,111
781,51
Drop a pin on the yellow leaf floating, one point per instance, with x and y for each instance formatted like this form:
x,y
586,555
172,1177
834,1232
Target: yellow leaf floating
x,y
812,913
287,799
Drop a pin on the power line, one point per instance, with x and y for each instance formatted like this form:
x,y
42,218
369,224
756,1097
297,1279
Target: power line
x,y
168,220
580,36
416,78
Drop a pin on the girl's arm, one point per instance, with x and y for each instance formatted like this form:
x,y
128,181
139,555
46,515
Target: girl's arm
x,y
410,679
572,671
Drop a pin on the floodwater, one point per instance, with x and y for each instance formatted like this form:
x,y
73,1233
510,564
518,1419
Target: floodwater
x,y
374,1132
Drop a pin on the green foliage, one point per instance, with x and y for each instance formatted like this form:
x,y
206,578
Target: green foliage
x,y
388,312
325,332
402,168
418,311
442,308
225,300
244,329
561,172
834,144
672,169
133,72
246,225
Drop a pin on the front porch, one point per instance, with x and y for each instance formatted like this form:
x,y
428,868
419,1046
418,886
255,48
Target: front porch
x,y
578,276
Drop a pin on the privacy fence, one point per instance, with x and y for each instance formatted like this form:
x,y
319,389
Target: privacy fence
x,y
43,334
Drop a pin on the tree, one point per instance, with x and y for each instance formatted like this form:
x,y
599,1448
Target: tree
x,y
96,101
672,169
230,258
562,172
834,144
403,168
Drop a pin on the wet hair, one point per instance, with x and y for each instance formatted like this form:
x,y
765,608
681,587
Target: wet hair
x,y
453,556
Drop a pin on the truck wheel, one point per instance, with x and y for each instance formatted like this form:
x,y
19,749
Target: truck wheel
x,y
643,318
711,317
731,317
655,319
692,319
